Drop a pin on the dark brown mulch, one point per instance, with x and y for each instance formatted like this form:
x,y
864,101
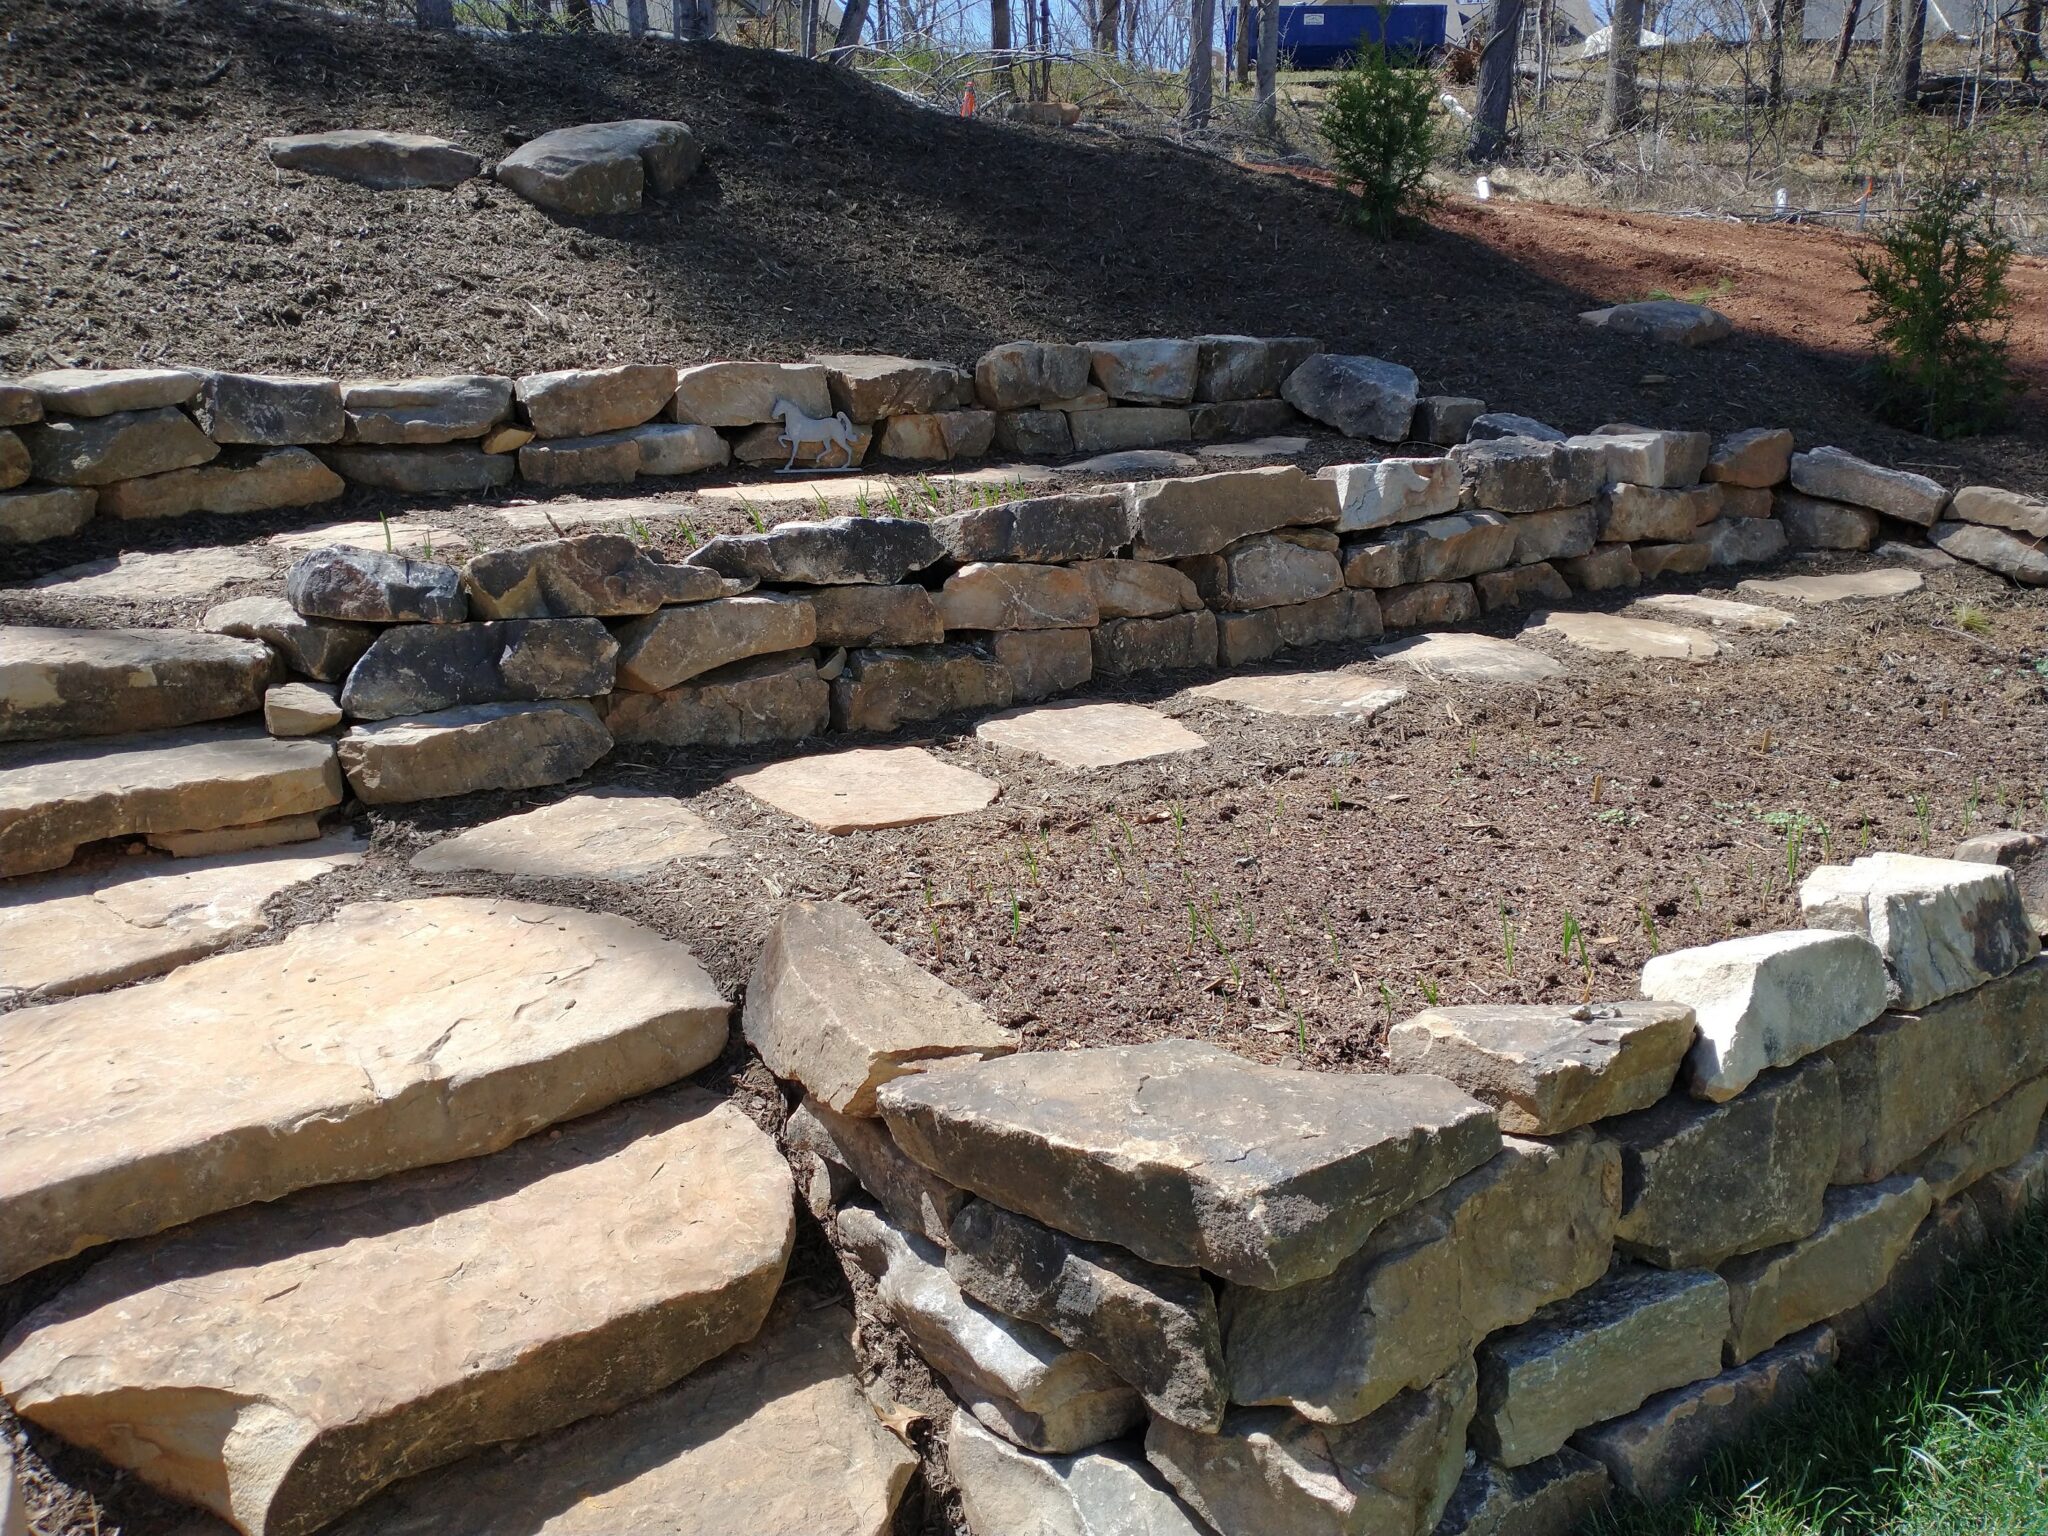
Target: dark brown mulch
x,y
143,222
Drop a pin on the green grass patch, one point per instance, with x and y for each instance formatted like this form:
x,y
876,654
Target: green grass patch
x,y
1940,1429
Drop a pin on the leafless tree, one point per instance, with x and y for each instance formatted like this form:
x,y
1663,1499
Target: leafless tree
x,y
1201,34
1269,65
1623,104
437,14
1496,78
1912,34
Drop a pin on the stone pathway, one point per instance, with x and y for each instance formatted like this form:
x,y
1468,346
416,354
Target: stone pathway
x,y
617,835
876,488
1339,694
1718,611
1253,448
867,789
1620,635
542,521
150,578
82,933
1472,659
1084,735
1842,587
404,538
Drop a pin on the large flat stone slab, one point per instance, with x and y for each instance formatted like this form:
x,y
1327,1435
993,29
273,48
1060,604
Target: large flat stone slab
x,y
616,835
1943,926
279,1365
1717,611
401,538
415,669
1188,1156
393,1035
55,797
1472,659
832,1006
1619,635
867,789
1082,735
773,1436
1339,695
1844,586
150,578
1102,1492
104,682
479,746
1551,1497
84,933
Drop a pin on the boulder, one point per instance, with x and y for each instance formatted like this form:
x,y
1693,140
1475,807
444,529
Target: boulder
x,y
1155,1327
1047,1134
1528,1228
278,1365
1246,368
912,1197
939,436
599,168
1746,501
1015,596
1429,604
322,649
833,1007
1122,428
301,709
413,669
881,688
1837,476
1741,541
1814,524
1021,374
777,697
1767,1000
1548,1069
1041,662
669,449
2017,557
1150,372
105,391
1605,568
46,512
869,388
1389,491
1075,525
1446,420
1551,1497
1523,474
1564,533
277,832
14,460
479,746
1705,1181
1596,1356
1138,589
610,459
99,450
262,482
372,587
1941,926
1448,548
1993,1138
1014,1377
1526,586
1201,514
433,471
743,394
1671,321
1863,1232
1034,434
1102,1492
19,405
596,575
329,1057
667,647
269,410
1760,457
837,551
1342,615
1242,418
583,402
1266,571
1491,425
2007,1196
1655,560
1125,646
1653,1453
386,162
1633,512
103,682
1359,396
891,615
2026,855
1989,507
443,409
1638,456
1270,1471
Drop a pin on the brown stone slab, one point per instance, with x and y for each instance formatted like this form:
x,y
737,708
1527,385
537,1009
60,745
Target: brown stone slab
x,y
867,789
1082,735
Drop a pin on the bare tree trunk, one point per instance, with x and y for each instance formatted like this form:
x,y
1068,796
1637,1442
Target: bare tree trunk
x,y
1623,105
1134,14
1244,43
1774,55
2029,50
1045,47
999,44
438,15
851,22
696,20
1269,65
577,14
1108,23
1497,78
1851,10
1201,62
636,18
1913,36
808,19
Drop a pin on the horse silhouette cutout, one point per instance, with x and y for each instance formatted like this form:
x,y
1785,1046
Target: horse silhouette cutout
x,y
799,429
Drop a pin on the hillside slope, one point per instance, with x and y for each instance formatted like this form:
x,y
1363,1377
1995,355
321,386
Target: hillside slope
x,y
140,220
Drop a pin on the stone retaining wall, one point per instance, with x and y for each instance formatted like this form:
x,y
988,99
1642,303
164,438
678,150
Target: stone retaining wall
x,y
1563,1251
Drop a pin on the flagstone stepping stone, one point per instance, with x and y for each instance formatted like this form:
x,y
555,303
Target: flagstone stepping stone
x,y
278,1365
1215,1170
1623,636
384,161
617,835
1472,659
55,796
600,514
1336,695
774,1436
83,933
105,682
1080,735
1255,448
151,578
1843,586
867,789
404,538
1137,461
1717,611
393,1035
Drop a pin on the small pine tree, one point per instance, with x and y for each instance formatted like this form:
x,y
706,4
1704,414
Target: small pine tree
x,y
1382,135
1941,309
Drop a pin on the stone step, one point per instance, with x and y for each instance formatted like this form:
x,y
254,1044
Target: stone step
x,y
278,1365
57,683
393,1035
56,796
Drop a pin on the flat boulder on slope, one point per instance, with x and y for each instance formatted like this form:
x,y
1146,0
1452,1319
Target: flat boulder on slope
x,y
599,168
2016,556
412,669
1189,1156
372,587
1359,396
1943,926
593,575
387,162
102,682
774,1436
618,835
1102,1492
393,1035
278,1365
834,552
477,746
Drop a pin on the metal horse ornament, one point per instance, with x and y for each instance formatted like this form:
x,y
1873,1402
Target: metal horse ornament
x,y
829,432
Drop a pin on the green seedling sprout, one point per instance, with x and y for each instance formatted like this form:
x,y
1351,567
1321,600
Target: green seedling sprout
x,y
1507,940
1650,928
1430,992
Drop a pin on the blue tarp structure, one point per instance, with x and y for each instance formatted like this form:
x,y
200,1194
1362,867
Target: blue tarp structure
x,y
1326,36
